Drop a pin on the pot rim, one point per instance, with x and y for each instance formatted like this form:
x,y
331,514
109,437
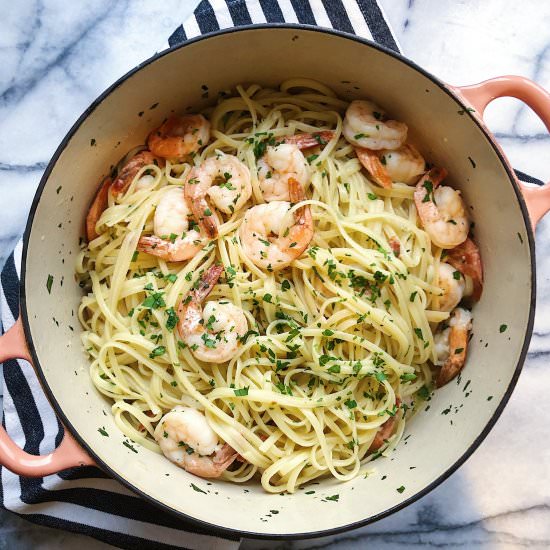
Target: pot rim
x,y
226,531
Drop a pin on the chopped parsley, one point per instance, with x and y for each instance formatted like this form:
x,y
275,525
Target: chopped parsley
x,y
198,489
400,489
127,444
380,376
502,328
334,498
159,350
424,393
247,334
154,301
456,275
172,319
49,284
428,185
208,342
241,392
103,432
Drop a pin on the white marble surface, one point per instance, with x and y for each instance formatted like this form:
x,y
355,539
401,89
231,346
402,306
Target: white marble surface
x,y
56,56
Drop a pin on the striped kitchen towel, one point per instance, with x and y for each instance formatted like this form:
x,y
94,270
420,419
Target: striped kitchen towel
x,y
85,500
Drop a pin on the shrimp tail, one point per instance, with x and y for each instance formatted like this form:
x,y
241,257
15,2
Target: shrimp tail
x,y
207,282
295,190
301,233
99,204
129,171
455,362
225,457
306,141
428,182
458,345
178,251
154,246
297,194
385,431
466,258
211,467
373,165
207,221
423,194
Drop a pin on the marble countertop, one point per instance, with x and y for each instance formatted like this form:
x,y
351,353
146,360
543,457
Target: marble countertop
x,y
56,57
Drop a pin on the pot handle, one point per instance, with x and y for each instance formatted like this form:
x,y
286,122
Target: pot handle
x,y
536,97
67,455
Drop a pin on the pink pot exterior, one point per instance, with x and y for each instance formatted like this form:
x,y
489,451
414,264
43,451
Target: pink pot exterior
x,y
538,99
69,453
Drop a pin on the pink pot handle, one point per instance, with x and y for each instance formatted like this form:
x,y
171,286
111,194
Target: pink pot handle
x,y
480,95
67,455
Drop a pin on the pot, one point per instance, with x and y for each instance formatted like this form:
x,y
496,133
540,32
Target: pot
x,y
446,123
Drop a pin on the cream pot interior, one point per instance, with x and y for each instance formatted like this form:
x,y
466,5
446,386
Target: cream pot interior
x,y
459,415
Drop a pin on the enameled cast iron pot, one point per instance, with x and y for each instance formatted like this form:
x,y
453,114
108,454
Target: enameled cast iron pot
x,y
446,123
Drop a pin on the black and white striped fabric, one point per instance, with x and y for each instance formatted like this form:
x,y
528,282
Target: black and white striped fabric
x,y
362,17
85,500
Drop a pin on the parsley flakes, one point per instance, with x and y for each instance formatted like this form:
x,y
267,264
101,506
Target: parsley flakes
x,y
159,350
49,284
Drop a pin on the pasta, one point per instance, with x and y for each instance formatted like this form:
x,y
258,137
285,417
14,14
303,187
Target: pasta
x,y
339,346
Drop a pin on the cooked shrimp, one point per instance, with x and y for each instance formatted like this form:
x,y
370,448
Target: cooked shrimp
x,y
261,222
99,204
306,141
451,285
226,180
212,333
185,438
173,241
365,125
451,345
441,210
404,165
116,187
385,431
179,137
129,171
277,166
466,258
